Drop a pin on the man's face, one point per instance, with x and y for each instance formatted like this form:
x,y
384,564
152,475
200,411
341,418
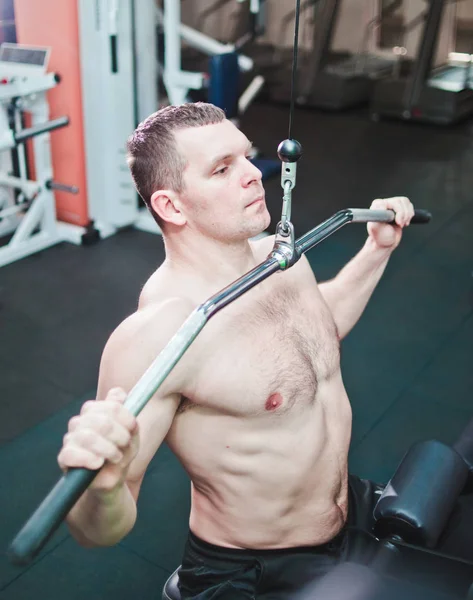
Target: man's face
x,y
223,194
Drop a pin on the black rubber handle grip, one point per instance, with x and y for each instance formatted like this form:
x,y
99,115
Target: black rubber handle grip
x,y
421,216
49,515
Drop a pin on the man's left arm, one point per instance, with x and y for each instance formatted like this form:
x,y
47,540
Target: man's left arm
x,y
348,293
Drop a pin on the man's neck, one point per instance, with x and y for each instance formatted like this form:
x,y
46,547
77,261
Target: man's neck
x,y
213,262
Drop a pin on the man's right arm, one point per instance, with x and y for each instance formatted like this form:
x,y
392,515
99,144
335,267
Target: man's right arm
x,y
105,435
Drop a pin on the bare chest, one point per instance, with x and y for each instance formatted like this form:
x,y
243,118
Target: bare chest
x,y
266,353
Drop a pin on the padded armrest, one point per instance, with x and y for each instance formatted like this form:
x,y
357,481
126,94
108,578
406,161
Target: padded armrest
x,y
171,589
418,500
464,447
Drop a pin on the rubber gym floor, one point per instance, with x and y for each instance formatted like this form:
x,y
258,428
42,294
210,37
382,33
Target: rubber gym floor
x,y
407,365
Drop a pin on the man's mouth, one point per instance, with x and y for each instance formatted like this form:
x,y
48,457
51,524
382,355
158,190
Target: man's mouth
x,y
258,199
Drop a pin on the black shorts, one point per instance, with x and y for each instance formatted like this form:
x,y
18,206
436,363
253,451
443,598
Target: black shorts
x,y
215,572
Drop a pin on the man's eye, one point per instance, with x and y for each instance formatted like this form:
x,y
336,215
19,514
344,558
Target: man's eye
x,y
221,171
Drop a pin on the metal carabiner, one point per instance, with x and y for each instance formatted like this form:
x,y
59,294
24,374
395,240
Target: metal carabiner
x,y
289,151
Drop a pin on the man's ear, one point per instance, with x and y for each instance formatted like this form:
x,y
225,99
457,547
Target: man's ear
x,y
166,204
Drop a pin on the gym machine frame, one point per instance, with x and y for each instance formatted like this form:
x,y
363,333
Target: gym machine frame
x,y
32,214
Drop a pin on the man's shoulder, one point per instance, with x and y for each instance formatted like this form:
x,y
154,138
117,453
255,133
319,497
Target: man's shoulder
x,y
148,330
154,320
138,339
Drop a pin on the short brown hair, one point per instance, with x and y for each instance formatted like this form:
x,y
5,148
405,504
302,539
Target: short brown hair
x,y
153,157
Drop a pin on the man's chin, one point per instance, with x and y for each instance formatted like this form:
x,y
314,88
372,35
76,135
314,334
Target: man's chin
x,y
260,232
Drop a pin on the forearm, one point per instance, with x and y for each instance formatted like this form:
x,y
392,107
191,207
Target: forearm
x,y
102,518
349,292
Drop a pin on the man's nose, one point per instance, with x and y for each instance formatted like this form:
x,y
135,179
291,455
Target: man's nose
x,y
252,174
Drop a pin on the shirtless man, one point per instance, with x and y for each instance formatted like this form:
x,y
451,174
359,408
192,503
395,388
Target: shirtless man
x,y
256,409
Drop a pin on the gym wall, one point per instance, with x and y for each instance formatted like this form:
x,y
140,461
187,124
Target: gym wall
x,y
465,11
465,27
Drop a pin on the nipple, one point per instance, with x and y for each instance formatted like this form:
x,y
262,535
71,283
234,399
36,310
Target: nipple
x,y
273,402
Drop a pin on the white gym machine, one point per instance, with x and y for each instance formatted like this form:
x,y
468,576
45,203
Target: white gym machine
x,y
119,89
178,82
27,209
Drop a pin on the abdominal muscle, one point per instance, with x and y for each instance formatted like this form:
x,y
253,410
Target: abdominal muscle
x,y
268,482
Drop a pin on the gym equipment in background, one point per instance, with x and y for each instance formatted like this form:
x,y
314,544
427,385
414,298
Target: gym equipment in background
x,y
336,81
28,221
442,95
337,71
108,50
